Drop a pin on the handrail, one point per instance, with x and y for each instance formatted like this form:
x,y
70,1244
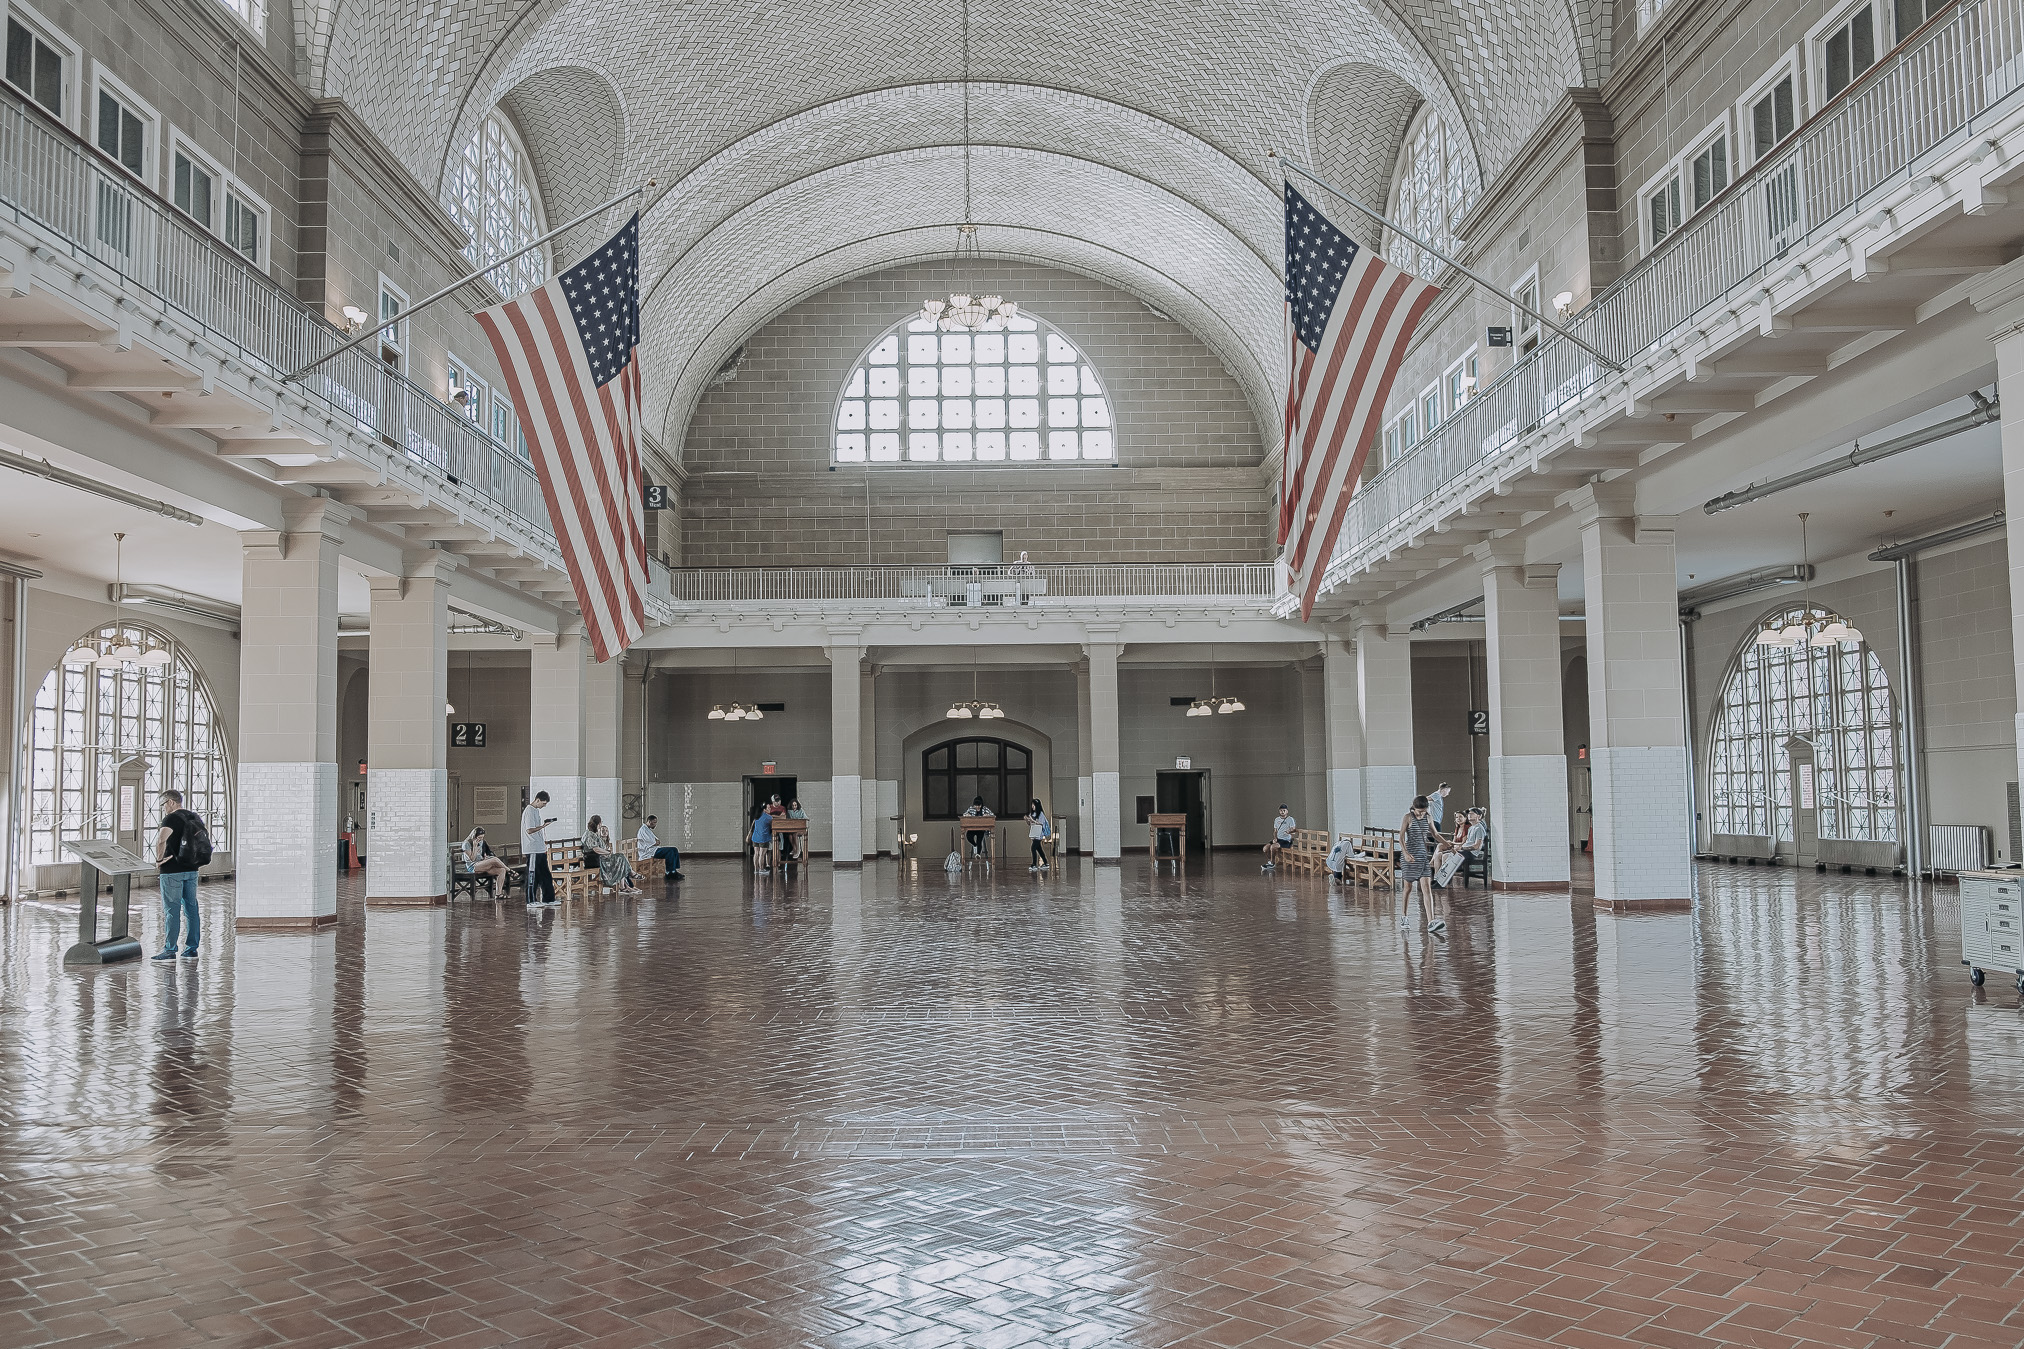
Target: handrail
x,y
58,181
995,584
1926,91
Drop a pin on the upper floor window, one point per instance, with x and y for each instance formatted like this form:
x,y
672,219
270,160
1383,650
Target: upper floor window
x,y
1023,394
123,128
1524,319
1771,110
39,63
194,186
253,13
490,192
1844,46
467,392
1430,193
393,337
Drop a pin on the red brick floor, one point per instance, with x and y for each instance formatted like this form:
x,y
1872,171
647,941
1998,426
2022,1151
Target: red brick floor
x,y
1100,1108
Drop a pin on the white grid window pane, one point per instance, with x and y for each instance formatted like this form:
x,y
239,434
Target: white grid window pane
x,y
1016,396
490,193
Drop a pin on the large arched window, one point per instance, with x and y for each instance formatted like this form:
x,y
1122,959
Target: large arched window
x,y
89,719
1431,190
1837,699
1021,395
490,192
957,772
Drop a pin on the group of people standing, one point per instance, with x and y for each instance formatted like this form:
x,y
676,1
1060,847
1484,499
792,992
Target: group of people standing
x,y
614,869
1428,858
762,832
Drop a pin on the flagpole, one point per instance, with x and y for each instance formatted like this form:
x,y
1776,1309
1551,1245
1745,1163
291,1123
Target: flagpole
x,y
1407,234
496,263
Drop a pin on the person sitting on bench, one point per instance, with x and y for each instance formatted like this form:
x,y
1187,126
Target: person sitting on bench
x,y
979,836
479,857
1470,835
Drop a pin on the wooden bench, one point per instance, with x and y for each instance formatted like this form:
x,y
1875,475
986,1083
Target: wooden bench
x,y
647,868
463,880
571,872
1309,851
1479,865
1371,860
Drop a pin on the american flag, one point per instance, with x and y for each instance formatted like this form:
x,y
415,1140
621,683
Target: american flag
x,y
570,353
1349,316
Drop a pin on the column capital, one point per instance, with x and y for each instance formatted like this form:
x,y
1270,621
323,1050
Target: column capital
x,y
1490,554
318,515
2000,294
1603,501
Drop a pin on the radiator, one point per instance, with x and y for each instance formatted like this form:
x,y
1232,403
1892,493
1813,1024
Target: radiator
x,y
1956,847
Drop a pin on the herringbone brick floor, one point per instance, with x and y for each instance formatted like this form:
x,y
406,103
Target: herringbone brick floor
x,y
1103,1108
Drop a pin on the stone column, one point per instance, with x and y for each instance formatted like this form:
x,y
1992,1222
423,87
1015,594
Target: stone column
x,y
1384,701
1343,730
284,846
555,733
407,747
1105,804
846,748
1637,734
1528,751
875,829
603,724
1085,793
2009,340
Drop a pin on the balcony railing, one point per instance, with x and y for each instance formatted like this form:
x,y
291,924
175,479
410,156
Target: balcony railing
x,y
1918,99
980,586
51,178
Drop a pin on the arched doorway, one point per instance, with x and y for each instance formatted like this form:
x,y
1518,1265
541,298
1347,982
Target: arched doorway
x,y
1020,768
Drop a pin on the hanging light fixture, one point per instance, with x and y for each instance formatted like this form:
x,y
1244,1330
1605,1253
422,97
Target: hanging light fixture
x,y
975,707
1214,704
1812,625
964,311
735,711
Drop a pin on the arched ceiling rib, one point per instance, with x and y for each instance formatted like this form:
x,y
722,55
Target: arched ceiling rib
x,y
573,130
1357,116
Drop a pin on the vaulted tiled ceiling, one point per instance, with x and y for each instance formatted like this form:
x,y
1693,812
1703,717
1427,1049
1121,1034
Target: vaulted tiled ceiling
x,y
805,142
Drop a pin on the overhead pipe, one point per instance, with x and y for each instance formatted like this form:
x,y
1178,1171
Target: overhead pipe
x,y
1968,531
42,468
1986,410
1745,583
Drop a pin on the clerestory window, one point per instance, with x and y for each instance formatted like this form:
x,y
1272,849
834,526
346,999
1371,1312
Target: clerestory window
x,y
1022,394
1431,191
490,191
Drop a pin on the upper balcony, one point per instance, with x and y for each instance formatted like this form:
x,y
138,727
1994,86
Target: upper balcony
x,y
1906,162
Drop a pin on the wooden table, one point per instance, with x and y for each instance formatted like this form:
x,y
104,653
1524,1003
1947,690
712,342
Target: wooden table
x,y
1178,825
796,828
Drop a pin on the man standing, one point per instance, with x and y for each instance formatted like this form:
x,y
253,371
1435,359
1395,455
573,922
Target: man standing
x,y
181,846
650,846
1437,805
534,842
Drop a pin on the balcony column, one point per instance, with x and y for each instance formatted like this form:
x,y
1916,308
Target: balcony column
x,y
873,827
284,844
408,790
1105,806
2009,341
1384,702
555,733
1085,793
846,747
1528,756
1637,731
603,725
1343,729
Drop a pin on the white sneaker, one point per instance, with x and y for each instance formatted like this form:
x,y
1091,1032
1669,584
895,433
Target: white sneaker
x,y
1438,927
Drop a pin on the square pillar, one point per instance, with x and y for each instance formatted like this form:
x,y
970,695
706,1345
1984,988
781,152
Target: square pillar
x,y
2009,342
407,749
1085,792
874,828
1105,805
285,839
1343,735
1637,726
603,721
557,681
1384,703
1528,752
846,748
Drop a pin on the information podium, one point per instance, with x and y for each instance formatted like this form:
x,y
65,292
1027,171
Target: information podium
x,y
98,860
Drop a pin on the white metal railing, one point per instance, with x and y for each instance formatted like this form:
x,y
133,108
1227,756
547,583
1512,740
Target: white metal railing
x,y
51,178
979,586
1919,98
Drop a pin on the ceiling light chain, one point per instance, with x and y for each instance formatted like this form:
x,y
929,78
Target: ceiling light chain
x,y
964,310
1215,704
1813,625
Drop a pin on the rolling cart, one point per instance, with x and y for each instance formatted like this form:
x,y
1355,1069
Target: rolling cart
x,y
1992,924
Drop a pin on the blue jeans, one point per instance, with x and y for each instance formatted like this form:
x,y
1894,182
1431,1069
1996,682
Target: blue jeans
x,y
179,898
672,856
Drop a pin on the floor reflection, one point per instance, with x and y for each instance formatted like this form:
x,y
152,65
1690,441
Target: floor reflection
x,y
1101,1105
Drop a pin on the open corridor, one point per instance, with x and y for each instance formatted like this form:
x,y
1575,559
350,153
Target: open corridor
x,y
1103,1107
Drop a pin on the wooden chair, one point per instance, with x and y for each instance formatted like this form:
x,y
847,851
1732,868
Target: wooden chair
x,y
1166,823
572,874
786,828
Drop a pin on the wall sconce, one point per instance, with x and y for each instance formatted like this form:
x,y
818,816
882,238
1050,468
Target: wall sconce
x,y
1563,302
354,317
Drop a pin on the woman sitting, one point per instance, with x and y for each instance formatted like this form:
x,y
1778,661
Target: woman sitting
x,y
612,868
479,857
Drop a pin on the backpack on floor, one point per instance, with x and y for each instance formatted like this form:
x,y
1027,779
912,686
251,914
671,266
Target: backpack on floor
x,y
953,862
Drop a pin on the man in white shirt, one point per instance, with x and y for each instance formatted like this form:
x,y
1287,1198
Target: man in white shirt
x,y
1283,825
1437,804
534,842
650,846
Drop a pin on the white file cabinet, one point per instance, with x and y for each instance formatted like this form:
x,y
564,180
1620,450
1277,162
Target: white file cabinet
x,y
1992,924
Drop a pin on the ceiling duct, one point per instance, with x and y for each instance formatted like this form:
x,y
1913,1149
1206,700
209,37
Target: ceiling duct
x,y
1729,587
1986,410
1945,536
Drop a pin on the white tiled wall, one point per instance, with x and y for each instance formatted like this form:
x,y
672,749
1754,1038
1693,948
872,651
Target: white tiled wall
x,y
1528,818
1641,847
410,847
287,854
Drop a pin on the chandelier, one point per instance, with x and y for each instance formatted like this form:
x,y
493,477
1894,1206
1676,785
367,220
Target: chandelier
x,y
961,311
1811,626
120,648
736,712
975,706
1214,705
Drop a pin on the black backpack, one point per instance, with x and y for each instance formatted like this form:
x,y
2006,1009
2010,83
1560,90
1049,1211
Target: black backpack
x,y
196,844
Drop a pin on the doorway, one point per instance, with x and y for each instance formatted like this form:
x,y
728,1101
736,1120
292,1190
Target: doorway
x,y
1181,791
758,791
1802,791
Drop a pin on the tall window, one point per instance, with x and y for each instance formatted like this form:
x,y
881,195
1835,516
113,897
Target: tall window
x,y
490,192
922,396
957,772
1431,189
1835,697
89,719
252,12
35,65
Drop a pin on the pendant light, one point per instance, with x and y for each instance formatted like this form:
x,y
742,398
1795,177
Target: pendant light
x,y
1214,705
976,707
1812,625
735,711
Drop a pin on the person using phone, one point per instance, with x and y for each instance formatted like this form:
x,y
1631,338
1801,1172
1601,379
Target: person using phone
x,y
534,842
